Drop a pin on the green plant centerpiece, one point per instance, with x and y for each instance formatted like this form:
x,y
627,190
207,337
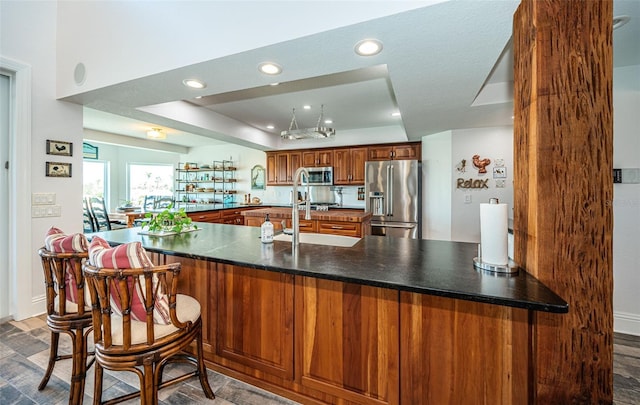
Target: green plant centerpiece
x,y
169,220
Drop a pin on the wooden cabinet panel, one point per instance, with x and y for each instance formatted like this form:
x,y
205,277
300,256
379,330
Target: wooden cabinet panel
x,y
380,152
441,339
349,166
347,340
408,151
340,228
271,169
206,216
257,221
255,319
284,167
233,216
310,225
317,158
283,172
405,151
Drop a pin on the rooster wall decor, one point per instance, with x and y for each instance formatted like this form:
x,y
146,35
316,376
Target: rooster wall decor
x,y
481,164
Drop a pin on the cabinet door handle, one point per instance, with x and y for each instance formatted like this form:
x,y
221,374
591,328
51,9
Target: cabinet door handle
x,y
336,227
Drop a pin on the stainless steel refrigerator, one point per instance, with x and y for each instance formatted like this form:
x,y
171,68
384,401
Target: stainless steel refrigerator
x,y
393,194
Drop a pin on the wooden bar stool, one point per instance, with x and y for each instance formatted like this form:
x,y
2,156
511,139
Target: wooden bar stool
x,y
140,321
67,313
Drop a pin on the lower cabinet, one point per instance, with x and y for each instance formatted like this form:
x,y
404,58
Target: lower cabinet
x,y
347,340
321,341
340,228
205,216
254,320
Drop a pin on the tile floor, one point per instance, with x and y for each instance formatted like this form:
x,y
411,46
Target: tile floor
x,y
24,350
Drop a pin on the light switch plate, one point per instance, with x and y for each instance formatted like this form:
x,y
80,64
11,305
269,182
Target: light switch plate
x,y
43,198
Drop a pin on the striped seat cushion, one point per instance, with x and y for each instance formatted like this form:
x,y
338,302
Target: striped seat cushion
x,y
59,242
130,255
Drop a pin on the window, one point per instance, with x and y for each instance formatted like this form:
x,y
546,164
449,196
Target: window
x,y
149,179
94,178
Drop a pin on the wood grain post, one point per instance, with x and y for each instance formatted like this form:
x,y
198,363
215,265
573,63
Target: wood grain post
x,y
563,154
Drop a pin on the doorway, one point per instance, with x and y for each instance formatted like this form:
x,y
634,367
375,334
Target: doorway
x,y
5,97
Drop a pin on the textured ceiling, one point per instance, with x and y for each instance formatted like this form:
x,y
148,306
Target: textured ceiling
x,y
443,67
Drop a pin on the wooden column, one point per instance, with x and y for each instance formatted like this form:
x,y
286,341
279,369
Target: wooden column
x,y
563,154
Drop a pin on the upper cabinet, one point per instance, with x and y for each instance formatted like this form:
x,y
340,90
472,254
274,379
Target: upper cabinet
x,y
281,166
347,162
317,158
349,166
404,151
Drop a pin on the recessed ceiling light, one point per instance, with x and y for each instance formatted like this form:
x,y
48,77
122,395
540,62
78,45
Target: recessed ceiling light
x,y
156,133
270,127
395,114
194,83
306,107
274,84
368,47
270,68
328,121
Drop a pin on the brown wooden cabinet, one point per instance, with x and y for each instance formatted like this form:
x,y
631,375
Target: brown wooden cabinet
x,y
254,327
317,158
349,166
233,216
333,342
404,151
348,163
347,339
271,168
205,216
340,228
281,166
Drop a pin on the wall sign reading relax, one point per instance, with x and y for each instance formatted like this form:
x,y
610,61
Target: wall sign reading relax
x,y
471,183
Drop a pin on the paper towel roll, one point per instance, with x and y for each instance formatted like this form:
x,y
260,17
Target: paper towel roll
x,y
493,234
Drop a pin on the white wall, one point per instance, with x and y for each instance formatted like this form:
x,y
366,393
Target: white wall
x,y
437,174
446,214
51,119
626,201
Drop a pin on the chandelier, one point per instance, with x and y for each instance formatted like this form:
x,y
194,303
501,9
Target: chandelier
x,y
319,132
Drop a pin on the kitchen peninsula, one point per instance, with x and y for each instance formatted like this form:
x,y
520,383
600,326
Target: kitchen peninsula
x,y
387,321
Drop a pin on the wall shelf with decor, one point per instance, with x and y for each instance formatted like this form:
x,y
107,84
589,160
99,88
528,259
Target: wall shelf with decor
x,y
205,184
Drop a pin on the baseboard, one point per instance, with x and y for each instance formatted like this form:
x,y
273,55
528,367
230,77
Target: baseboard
x,y
625,322
38,307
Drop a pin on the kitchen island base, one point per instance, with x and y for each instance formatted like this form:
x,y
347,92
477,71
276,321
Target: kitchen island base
x,y
332,342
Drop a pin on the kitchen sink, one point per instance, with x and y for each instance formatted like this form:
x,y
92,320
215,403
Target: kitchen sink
x,y
321,239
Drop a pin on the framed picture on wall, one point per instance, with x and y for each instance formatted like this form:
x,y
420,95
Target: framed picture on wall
x,y
499,172
58,169
59,148
258,178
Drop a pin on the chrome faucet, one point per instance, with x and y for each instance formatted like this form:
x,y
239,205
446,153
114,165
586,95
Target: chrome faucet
x,y
295,214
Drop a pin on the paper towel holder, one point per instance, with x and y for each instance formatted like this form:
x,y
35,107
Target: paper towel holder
x,y
510,268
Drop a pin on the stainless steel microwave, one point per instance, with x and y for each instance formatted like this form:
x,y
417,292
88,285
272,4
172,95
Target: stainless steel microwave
x,y
319,176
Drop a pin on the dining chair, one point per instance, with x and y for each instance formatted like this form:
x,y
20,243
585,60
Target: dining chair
x,y
87,219
163,201
100,215
140,322
68,309
149,202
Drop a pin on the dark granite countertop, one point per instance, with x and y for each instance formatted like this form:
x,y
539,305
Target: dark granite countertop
x,y
431,267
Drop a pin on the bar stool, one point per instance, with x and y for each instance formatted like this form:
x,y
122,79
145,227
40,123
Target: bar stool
x,y
67,309
140,321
